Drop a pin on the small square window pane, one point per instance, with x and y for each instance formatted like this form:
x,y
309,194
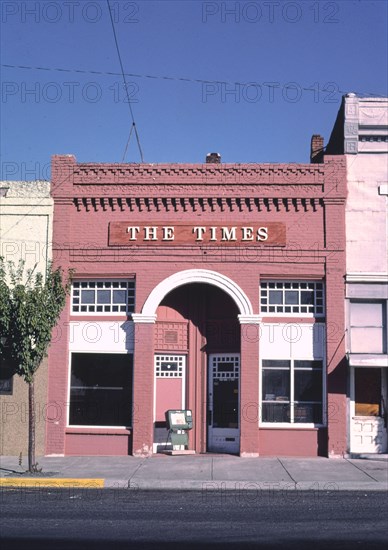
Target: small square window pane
x,y
107,308
263,285
75,292
107,284
84,284
115,284
115,308
99,308
100,284
88,296
124,285
75,308
84,308
271,285
295,309
103,296
271,309
92,284
123,308
76,285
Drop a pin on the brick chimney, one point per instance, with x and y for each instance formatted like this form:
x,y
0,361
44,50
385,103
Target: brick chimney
x,y
316,151
213,158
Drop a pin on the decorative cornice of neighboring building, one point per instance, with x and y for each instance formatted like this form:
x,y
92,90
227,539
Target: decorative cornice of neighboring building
x,y
364,277
25,189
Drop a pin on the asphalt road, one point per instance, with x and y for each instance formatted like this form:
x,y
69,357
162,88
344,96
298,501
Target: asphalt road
x,y
126,518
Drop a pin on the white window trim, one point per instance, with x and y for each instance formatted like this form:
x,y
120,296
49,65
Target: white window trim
x,y
297,425
310,315
102,313
93,426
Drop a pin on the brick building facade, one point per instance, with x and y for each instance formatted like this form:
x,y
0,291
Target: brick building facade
x,y
213,287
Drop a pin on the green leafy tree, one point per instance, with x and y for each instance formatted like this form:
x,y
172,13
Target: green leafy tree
x,y
30,307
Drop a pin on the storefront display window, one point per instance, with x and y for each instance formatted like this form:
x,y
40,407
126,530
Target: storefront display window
x,y
101,389
292,391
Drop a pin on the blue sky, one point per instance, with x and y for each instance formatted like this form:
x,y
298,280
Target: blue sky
x,y
312,52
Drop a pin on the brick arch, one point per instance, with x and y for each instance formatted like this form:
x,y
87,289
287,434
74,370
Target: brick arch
x,y
197,276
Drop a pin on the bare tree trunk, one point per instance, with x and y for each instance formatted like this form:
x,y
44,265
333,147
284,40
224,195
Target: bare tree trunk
x,y
31,426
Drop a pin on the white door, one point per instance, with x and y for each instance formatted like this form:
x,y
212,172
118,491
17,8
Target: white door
x,y
368,429
223,403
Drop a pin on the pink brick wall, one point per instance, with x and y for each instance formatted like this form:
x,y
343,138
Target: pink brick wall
x,y
309,199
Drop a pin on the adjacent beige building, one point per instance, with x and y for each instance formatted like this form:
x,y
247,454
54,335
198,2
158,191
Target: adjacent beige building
x,y
26,211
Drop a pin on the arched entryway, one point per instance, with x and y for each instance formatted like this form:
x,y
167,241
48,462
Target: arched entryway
x,y
197,316
197,365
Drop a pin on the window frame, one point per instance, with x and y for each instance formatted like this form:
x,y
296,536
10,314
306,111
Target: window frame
x,y
95,426
383,327
291,402
295,285
130,290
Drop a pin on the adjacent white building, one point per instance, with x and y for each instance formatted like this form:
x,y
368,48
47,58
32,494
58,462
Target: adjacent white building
x,y
26,218
361,133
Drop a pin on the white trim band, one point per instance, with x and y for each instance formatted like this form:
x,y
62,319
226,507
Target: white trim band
x,y
249,319
367,277
142,318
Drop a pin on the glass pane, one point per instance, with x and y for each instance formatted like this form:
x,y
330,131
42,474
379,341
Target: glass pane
x,y
275,297
225,409
276,385
275,412
306,364
276,363
103,296
308,385
119,296
87,296
366,340
307,297
368,391
101,389
366,314
308,412
291,297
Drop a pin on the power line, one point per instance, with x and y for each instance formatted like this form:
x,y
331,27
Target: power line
x,y
190,80
126,89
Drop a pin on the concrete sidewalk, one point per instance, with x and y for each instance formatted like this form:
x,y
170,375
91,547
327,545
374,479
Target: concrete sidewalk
x,y
199,472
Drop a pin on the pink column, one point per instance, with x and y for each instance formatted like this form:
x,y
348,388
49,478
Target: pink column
x,y
249,386
143,386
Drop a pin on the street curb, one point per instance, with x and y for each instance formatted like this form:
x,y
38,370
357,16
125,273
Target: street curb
x,y
214,486
55,483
